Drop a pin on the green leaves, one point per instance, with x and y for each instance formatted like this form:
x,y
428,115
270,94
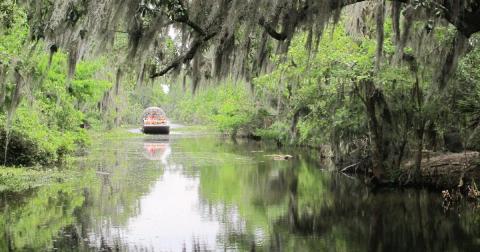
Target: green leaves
x,y
322,82
228,107
7,13
47,123
13,31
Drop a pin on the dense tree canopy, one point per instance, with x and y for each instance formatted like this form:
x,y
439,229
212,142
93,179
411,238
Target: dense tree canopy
x,y
235,33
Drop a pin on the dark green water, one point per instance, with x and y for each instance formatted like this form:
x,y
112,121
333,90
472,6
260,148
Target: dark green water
x,y
204,193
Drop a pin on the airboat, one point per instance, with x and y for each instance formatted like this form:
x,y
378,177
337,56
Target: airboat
x,y
155,121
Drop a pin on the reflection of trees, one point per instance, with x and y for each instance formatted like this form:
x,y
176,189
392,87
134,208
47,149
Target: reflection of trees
x,y
244,197
125,175
350,217
70,212
34,223
302,208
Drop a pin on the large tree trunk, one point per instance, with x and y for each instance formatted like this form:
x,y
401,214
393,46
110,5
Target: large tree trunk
x,y
419,154
118,81
3,84
376,135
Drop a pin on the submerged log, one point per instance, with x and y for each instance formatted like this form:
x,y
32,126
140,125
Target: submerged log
x,y
280,157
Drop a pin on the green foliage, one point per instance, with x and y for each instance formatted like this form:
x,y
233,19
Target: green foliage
x,y
50,120
278,131
6,13
33,142
44,124
142,97
13,30
85,87
227,106
468,75
319,83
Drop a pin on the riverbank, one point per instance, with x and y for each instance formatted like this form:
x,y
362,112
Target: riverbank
x,y
439,170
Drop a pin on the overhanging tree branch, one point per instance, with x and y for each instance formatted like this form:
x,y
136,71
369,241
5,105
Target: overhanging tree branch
x,y
188,56
466,20
271,31
181,16
193,25
204,36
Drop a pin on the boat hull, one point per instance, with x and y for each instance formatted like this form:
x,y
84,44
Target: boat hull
x,y
156,129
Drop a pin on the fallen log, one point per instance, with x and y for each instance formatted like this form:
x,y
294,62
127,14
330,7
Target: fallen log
x,y
448,170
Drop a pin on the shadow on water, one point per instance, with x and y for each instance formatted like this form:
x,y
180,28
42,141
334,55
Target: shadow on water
x,y
206,193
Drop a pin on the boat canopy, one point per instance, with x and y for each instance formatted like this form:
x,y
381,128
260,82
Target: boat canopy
x,y
153,111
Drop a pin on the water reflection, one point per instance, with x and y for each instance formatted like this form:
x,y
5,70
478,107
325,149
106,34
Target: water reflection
x,y
205,193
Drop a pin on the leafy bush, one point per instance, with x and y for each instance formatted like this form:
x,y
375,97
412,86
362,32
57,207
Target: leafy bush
x,y
278,131
46,120
32,142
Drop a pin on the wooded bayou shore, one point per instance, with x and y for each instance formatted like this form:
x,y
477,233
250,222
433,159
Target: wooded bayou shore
x,y
391,88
